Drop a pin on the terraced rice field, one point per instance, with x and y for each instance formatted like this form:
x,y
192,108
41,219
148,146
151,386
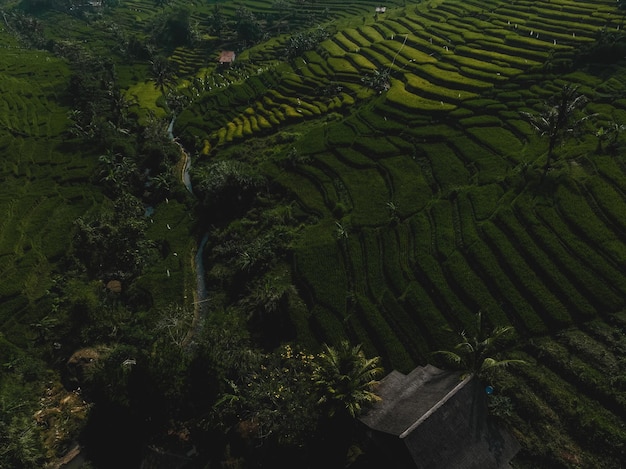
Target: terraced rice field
x,y
44,188
429,196
437,184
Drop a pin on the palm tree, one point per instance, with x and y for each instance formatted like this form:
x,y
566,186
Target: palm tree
x,y
162,73
377,80
475,355
345,378
557,119
614,130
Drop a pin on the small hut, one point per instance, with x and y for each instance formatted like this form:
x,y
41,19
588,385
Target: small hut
x,y
227,57
114,286
432,419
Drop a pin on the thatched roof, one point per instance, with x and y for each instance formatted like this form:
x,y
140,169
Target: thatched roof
x,y
441,421
227,57
114,286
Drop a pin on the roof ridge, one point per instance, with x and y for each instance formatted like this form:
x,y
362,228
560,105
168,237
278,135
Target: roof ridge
x,y
434,408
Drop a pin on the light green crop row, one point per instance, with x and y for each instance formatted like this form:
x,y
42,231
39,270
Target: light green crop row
x,y
400,96
418,85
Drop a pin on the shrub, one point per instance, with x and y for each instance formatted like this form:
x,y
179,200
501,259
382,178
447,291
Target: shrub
x,y
305,41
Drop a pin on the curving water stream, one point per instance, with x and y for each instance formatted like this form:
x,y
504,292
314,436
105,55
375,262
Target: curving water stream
x,y
200,296
184,176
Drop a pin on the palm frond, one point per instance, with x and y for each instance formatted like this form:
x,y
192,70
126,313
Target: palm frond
x,y
449,356
490,363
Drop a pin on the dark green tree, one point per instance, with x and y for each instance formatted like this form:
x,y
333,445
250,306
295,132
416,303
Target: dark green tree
x,y
559,118
163,73
345,379
476,352
609,134
217,21
378,80
114,240
304,41
247,25
119,173
173,28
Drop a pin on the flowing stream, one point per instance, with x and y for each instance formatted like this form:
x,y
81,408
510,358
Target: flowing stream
x,y
186,179
200,297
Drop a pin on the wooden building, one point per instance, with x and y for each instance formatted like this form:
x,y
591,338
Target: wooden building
x,y
432,419
227,57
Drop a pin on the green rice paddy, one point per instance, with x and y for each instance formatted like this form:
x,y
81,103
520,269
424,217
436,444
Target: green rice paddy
x,y
436,182
475,227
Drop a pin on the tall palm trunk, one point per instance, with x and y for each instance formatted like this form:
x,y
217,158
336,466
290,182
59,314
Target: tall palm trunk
x,y
551,145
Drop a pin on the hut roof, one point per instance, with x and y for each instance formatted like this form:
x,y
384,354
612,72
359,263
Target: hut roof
x,y
407,398
442,421
227,56
114,286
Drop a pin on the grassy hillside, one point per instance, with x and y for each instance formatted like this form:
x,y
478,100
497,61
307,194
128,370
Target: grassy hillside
x,y
45,182
430,199
411,184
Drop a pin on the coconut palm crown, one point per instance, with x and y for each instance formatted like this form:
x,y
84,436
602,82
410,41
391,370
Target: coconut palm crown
x,y
558,119
475,354
345,379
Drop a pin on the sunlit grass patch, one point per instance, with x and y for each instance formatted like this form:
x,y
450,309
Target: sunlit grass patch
x,y
146,95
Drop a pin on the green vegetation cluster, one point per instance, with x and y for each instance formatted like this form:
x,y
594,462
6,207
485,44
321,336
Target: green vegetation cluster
x,y
359,177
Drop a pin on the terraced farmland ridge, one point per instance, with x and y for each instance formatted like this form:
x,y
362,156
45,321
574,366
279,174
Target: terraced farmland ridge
x,y
44,187
432,202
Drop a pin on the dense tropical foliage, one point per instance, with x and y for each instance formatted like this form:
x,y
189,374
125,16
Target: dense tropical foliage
x,y
362,182
476,352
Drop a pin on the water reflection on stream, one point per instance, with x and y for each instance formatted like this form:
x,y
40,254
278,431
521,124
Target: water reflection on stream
x,y
200,303
186,179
